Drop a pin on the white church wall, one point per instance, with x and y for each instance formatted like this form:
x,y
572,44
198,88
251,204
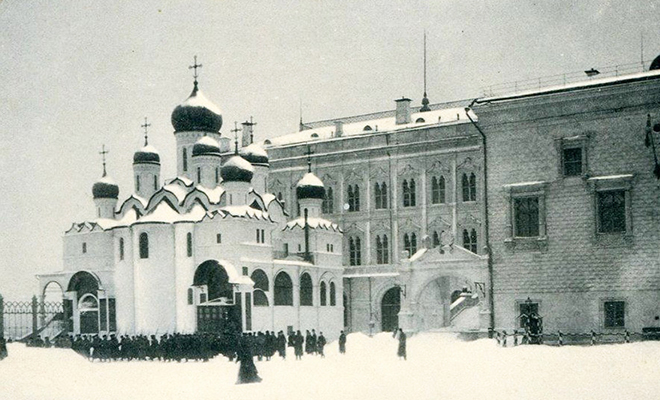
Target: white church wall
x,y
88,251
185,266
124,281
155,296
262,318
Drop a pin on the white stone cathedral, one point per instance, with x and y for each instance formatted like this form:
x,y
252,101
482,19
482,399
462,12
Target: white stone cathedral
x,y
197,252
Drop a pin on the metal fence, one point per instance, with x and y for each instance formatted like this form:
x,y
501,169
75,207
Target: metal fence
x,y
20,320
559,338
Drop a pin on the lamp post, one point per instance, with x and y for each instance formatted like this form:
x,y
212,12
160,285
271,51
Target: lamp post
x,y
649,141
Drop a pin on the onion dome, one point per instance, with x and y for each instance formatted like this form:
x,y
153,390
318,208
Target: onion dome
x,y
206,146
310,187
105,188
237,169
655,64
197,113
146,155
255,155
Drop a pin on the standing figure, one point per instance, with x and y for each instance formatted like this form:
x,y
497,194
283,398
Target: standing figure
x,y
342,343
298,345
281,344
402,344
320,344
247,372
3,348
308,342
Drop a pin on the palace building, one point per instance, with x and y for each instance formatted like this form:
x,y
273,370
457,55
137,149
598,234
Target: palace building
x,y
203,251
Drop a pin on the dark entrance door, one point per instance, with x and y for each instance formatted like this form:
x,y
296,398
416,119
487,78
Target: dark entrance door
x,y
390,307
215,319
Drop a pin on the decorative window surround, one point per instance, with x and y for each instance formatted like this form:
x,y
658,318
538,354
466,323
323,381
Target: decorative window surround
x,y
569,143
611,183
518,191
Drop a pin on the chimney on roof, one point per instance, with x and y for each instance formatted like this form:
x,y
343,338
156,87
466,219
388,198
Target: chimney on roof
x,y
339,128
403,111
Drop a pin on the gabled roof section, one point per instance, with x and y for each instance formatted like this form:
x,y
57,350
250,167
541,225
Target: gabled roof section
x,y
313,223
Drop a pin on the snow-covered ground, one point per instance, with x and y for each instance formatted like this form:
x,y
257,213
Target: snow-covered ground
x,y
438,367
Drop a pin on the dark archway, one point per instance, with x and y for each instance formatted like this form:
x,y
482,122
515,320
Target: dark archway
x,y
83,283
214,276
390,307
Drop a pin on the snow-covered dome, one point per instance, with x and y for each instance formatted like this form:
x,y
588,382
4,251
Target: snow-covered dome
x,y
255,154
105,188
237,169
146,155
206,146
310,187
197,113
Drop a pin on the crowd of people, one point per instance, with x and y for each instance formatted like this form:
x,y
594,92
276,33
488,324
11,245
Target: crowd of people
x,y
3,348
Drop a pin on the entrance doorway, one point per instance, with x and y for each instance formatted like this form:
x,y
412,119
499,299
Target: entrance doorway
x,y
88,307
390,307
219,309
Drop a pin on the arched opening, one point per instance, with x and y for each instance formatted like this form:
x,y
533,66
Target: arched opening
x,y
260,280
306,290
144,245
283,290
216,311
214,276
88,307
346,317
324,294
390,307
333,294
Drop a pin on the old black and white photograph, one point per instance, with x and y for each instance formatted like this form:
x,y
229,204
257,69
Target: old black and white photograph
x,y
221,199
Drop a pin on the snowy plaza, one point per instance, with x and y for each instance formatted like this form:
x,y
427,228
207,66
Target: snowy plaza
x,y
438,367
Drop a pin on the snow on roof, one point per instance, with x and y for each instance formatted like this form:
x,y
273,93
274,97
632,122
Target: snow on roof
x,y
107,180
199,100
309,179
611,177
208,141
523,184
177,190
418,255
149,149
313,223
165,213
213,194
267,198
180,180
576,85
428,118
243,212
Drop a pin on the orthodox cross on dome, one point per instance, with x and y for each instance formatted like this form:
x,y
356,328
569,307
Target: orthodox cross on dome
x,y
146,131
309,158
103,152
425,100
194,67
235,130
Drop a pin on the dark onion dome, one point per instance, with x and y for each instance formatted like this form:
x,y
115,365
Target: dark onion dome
x,y
310,187
105,188
206,146
146,155
255,154
237,169
197,113
655,64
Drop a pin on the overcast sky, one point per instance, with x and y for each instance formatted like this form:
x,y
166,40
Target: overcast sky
x,y
76,75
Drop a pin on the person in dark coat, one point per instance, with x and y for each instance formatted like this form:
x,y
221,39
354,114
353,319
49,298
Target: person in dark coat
x,y
247,371
401,352
342,343
281,344
320,344
298,345
3,348
308,342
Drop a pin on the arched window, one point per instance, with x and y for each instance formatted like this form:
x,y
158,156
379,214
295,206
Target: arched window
x,y
189,244
144,245
413,197
306,290
382,250
121,248
155,182
438,190
190,296
410,243
137,183
469,184
327,206
470,240
324,294
185,160
260,280
353,198
283,290
217,175
409,199
380,191
355,251
199,175
333,294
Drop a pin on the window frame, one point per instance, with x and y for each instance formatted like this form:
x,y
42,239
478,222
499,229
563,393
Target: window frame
x,y
523,190
568,143
603,313
602,184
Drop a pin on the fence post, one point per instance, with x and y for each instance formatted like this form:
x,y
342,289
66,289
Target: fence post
x,y
2,317
627,336
515,338
593,337
561,339
34,316
503,338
